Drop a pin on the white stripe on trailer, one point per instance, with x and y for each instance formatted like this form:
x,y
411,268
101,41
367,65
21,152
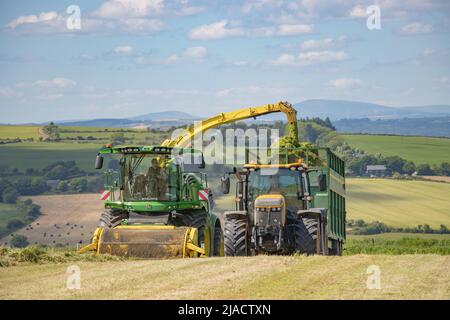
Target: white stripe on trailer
x,y
105,195
203,195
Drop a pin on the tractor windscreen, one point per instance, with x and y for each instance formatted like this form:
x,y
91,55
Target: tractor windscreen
x,y
149,177
286,182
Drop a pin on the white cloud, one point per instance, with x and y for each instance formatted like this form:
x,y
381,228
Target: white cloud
x,y
222,29
309,58
358,12
62,83
192,54
7,92
216,30
345,83
129,9
195,53
124,50
44,17
323,43
416,28
294,29
189,54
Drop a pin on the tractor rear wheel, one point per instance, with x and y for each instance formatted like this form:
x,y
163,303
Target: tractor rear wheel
x,y
305,235
111,218
235,237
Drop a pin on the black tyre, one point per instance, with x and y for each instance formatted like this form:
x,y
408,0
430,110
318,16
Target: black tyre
x,y
111,218
196,219
305,235
218,241
338,248
235,236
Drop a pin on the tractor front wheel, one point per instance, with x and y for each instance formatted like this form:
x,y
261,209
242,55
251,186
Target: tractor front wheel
x,y
305,235
235,237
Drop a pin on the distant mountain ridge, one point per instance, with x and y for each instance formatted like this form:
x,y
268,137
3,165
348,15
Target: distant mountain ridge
x,y
334,109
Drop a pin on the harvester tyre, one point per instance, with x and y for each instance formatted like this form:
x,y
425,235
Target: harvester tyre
x,y
305,235
198,220
218,241
235,237
111,218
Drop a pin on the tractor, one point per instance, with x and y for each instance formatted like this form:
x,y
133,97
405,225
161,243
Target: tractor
x,y
287,208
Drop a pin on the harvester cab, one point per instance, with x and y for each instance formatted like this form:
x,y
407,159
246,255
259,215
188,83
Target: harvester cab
x,y
154,207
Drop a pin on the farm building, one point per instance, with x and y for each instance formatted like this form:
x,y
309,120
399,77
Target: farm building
x,y
377,170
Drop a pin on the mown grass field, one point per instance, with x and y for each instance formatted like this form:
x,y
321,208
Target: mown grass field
x,y
399,203
261,277
416,149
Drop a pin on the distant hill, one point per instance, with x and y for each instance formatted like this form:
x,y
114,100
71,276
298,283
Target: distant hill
x,y
156,119
342,109
336,110
438,127
165,116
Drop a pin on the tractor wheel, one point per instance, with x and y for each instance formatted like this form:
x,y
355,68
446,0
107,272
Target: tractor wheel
x,y
199,220
218,241
305,235
111,218
235,237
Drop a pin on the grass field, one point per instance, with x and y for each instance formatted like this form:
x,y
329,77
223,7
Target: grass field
x,y
399,203
262,277
22,132
40,154
416,149
9,212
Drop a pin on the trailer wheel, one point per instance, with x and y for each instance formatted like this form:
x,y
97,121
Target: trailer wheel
x,y
111,218
305,235
235,237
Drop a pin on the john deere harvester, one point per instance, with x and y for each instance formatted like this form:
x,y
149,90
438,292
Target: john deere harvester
x,y
156,208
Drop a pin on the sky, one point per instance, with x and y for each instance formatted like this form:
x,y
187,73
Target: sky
x,y
123,58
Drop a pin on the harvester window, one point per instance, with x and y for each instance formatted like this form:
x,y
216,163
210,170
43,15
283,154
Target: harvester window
x,y
147,178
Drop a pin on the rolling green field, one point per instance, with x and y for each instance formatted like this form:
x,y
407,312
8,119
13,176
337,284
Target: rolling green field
x,y
416,149
22,132
399,203
40,154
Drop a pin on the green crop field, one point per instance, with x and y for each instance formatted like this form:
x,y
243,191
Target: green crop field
x,y
416,149
22,132
40,154
399,203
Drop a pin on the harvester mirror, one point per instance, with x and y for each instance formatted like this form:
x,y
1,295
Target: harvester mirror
x,y
202,164
99,162
225,185
322,182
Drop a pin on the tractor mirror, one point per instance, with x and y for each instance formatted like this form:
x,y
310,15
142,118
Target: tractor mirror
x,y
225,185
99,162
322,182
202,164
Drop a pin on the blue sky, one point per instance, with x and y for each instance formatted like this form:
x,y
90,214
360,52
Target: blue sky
x,y
132,57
